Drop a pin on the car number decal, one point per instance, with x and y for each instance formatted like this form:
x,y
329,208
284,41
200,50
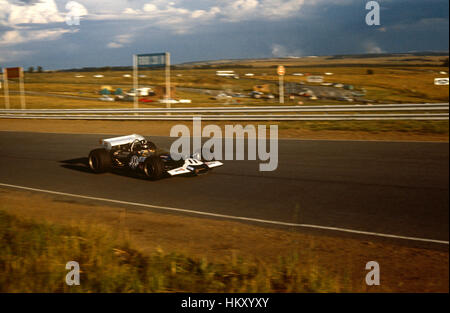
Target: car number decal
x,y
134,161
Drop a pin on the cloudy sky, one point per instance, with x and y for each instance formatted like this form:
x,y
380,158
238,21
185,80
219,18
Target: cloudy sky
x,y
44,32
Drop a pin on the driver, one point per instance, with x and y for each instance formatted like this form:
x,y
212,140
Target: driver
x,y
144,145
148,146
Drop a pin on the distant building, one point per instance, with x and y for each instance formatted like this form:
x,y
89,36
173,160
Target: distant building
x,y
225,73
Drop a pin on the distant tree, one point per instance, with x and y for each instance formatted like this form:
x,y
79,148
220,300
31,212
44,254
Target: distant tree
x,y
30,69
370,72
39,69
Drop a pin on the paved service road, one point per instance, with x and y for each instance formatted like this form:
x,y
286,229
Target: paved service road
x,y
394,188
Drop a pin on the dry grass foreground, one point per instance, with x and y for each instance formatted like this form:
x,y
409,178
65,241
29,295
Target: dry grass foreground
x,y
403,269
377,130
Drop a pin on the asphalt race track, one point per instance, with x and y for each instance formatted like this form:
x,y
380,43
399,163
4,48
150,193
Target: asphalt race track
x,y
396,188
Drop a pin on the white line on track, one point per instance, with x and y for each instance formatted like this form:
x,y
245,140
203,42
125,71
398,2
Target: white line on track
x,y
240,218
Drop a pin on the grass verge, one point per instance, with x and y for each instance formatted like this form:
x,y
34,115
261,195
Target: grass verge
x,y
34,255
413,127
192,253
338,130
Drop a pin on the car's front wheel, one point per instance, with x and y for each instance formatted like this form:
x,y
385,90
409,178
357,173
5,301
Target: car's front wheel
x,y
100,161
154,167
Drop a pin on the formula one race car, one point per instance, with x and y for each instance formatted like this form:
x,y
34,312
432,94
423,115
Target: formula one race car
x,y
138,154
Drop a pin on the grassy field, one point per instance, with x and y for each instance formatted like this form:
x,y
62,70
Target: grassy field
x,y
388,85
344,60
395,79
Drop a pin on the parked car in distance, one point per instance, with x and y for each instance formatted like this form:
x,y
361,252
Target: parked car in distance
x,y
345,98
256,94
106,98
222,96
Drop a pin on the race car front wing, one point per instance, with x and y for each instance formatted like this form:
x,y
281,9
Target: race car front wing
x,y
194,166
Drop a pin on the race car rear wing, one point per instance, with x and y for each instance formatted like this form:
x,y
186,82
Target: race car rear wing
x,y
118,141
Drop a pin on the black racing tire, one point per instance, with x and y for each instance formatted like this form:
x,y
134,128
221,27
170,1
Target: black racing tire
x,y
154,167
100,161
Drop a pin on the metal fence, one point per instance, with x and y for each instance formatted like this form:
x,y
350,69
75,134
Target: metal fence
x,y
427,111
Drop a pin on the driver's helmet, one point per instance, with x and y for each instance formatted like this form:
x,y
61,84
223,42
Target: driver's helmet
x,y
140,145
145,145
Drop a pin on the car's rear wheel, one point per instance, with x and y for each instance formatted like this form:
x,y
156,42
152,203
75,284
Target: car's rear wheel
x,y
154,168
100,161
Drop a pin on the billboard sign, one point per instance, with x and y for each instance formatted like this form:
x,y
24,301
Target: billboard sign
x,y
151,60
14,72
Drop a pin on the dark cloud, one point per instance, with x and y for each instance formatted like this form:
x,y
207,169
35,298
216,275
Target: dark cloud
x,y
326,28
25,2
